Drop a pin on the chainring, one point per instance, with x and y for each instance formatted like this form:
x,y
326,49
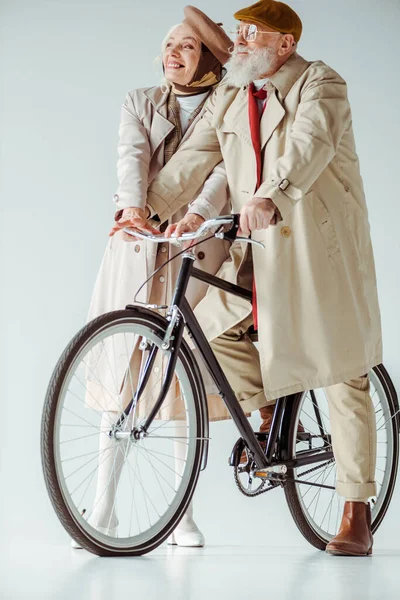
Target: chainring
x,y
245,470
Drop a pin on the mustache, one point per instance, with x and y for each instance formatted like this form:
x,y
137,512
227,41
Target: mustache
x,y
242,71
238,50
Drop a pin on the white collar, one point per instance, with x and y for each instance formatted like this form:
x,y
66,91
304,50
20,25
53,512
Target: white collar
x,y
191,102
259,83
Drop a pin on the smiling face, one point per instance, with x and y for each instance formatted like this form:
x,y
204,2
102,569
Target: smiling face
x,y
181,55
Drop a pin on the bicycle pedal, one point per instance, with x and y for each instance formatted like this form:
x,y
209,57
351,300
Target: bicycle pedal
x,y
277,473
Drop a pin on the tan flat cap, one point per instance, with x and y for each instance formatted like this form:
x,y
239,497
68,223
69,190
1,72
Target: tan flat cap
x,y
276,15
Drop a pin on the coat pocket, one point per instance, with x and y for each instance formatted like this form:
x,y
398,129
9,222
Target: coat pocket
x,y
324,223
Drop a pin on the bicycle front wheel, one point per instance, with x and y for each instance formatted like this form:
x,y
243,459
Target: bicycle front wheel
x,y
114,494
317,508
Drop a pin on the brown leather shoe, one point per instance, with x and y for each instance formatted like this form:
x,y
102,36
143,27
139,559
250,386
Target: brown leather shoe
x,y
354,537
266,413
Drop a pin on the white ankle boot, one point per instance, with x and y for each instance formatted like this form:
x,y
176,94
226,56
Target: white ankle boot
x,y
192,538
111,532
111,459
187,533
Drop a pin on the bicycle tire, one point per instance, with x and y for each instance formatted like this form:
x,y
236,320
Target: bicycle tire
x,y
291,489
158,326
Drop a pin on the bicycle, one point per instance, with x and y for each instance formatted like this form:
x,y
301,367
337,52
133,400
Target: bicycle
x,y
152,493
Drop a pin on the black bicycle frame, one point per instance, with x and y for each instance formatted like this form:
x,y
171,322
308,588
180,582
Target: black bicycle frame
x,y
282,413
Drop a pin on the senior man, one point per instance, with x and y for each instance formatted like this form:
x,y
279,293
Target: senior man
x,y
283,127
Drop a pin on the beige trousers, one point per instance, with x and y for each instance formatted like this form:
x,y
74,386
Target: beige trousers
x,y
352,414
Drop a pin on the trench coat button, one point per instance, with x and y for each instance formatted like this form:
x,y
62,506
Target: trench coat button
x,y
137,248
156,369
162,279
115,197
286,231
163,249
200,255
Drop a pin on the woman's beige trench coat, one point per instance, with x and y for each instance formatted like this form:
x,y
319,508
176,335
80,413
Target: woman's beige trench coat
x,y
318,312
126,265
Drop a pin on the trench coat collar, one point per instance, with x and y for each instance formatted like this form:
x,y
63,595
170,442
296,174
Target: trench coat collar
x,y
288,74
278,88
161,127
157,96
237,118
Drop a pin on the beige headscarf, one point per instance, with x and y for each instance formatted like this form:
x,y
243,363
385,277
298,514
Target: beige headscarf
x,y
215,46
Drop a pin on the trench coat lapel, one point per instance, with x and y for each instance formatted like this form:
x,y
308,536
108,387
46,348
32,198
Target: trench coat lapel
x,y
236,118
278,87
160,126
272,116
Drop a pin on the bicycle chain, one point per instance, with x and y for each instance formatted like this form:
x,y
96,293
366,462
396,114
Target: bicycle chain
x,y
328,462
272,486
255,494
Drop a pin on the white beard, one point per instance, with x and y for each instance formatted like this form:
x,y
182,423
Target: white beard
x,y
242,70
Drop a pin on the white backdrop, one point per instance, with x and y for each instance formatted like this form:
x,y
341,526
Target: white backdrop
x,y
65,68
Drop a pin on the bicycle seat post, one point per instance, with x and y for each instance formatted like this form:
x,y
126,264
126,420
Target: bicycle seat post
x,y
273,433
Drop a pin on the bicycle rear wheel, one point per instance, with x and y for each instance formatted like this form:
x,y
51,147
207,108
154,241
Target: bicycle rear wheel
x,y
115,494
317,510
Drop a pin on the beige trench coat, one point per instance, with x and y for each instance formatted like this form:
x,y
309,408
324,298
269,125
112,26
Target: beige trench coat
x,y
318,312
126,265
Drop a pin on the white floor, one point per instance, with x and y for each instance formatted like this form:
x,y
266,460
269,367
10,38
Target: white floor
x,y
230,572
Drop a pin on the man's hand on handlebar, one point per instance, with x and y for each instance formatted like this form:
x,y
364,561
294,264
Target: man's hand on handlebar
x,y
132,217
258,213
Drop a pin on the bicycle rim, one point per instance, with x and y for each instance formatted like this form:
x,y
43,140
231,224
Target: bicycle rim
x,y
149,486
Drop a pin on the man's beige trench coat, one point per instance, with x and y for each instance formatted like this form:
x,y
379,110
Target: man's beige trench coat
x,y
126,265
318,312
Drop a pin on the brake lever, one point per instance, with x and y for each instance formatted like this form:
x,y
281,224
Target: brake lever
x,y
222,236
232,232
250,241
231,235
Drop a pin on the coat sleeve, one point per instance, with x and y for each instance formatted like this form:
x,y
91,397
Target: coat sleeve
x,y
322,117
213,196
133,158
184,174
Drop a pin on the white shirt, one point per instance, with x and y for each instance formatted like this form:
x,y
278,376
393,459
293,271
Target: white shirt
x,y
258,84
187,105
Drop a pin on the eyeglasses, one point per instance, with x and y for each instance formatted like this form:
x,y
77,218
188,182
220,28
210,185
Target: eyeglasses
x,y
250,31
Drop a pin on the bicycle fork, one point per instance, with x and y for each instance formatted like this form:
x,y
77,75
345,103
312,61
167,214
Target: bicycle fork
x,y
172,343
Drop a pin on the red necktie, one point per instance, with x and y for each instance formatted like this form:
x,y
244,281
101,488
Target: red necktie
x,y
254,120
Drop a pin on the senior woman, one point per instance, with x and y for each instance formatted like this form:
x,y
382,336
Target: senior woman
x,y
155,121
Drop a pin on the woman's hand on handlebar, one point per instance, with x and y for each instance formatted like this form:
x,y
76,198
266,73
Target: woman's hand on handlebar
x,y
190,222
132,217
